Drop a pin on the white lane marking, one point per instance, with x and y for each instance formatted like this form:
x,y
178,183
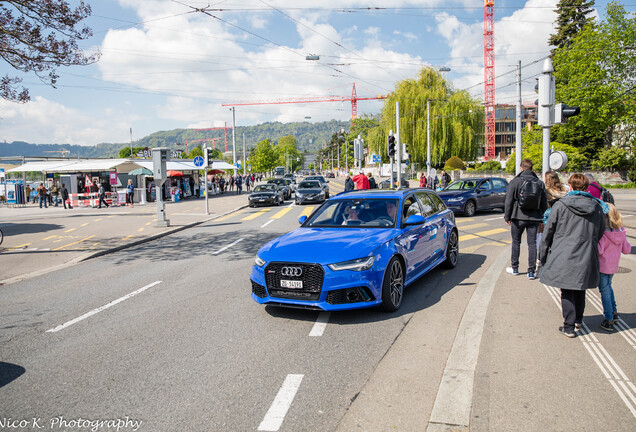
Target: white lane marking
x,y
624,216
625,331
267,223
228,246
495,218
605,362
102,308
277,411
321,324
292,204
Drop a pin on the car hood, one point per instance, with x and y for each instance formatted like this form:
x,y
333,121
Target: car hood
x,y
263,193
326,245
453,194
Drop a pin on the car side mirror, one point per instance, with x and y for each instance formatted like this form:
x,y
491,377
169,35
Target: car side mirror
x,y
302,219
415,220
327,181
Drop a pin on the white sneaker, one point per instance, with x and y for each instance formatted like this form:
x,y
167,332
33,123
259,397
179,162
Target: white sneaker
x,y
512,271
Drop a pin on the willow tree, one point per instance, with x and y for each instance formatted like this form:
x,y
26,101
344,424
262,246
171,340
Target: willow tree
x,y
455,117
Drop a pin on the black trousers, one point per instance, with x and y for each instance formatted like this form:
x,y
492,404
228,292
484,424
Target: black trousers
x,y
573,306
516,230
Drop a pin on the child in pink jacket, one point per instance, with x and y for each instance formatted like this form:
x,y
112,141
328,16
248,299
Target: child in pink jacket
x,y
613,242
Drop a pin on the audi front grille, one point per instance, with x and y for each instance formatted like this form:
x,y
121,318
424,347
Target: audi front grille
x,y
311,276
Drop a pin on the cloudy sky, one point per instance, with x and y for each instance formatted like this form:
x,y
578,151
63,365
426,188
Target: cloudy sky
x,y
169,64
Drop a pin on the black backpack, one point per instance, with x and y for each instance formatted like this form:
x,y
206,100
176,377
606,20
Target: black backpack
x,y
606,195
530,194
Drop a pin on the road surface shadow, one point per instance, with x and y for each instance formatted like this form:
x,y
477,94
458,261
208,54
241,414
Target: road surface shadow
x,y
9,372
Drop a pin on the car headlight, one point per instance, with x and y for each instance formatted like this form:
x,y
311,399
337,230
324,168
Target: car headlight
x,y
259,262
355,265
322,192
456,199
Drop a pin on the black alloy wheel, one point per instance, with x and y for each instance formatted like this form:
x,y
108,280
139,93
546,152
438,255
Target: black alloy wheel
x,y
452,250
469,208
393,285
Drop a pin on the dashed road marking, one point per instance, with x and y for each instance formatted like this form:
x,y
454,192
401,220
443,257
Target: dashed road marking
x,y
307,211
141,229
463,220
267,223
71,244
473,226
482,234
256,214
277,411
320,325
281,213
495,218
84,224
226,217
228,246
70,230
101,308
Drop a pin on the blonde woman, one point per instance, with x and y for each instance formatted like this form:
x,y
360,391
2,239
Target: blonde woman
x,y
612,244
130,192
554,189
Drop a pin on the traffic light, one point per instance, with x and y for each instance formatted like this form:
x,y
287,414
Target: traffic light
x,y
351,148
391,149
405,151
562,112
208,157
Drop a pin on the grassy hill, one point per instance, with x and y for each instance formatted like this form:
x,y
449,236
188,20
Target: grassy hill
x,y
310,137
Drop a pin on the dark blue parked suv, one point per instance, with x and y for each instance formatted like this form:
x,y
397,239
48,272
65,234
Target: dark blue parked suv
x,y
472,194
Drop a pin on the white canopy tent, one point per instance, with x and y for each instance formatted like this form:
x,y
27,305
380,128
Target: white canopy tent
x,y
79,165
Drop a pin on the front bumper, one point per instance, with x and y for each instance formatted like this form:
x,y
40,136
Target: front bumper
x,y
455,206
337,290
262,200
309,198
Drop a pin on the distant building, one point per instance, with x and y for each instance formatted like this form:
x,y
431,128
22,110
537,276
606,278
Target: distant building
x,y
506,129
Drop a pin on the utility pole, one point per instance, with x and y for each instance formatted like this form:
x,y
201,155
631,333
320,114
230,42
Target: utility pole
x,y
234,139
244,157
518,144
131,154
428,139
398,145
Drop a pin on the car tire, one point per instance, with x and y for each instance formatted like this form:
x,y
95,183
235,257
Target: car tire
x,y
393,285
470,208
452,251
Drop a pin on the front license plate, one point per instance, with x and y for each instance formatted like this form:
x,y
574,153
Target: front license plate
x,y
291,284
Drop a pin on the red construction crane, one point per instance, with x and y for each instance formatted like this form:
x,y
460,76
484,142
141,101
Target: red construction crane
x,y
214,140
310,99
489,78
225,128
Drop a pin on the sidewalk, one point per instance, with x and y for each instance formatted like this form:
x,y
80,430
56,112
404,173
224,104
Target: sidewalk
x,y
37,241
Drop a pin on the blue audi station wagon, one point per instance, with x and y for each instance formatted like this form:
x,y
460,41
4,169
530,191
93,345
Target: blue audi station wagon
x,y
358,249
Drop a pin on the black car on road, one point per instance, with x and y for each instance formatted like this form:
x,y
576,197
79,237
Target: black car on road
x,y
282,183
322,181
266,194
309,191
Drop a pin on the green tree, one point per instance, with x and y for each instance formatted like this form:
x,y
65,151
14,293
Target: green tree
x,y
572,17
597,72
287,150
39,36
197,151
125,151
263,158
533,150
456,119
613,158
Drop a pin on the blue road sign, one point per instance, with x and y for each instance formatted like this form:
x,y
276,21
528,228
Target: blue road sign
x,y
198,161
376,158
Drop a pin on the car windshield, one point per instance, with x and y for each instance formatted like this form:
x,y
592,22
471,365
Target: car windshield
x,y
462,185
355,213
279,182
265,188
316,178
309,185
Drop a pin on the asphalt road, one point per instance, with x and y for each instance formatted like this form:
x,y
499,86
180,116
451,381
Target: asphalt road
x,y
166,334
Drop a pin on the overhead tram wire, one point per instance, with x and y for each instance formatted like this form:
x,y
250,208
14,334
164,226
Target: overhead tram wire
x,y
330,40
205,11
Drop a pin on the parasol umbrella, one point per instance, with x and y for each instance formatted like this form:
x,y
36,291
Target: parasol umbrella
x,y
140,171
173,173
215,171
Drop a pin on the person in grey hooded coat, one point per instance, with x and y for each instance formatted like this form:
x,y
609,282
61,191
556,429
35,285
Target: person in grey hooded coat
x,y
569,250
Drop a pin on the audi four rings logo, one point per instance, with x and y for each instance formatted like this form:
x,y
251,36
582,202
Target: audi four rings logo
x,y
291,271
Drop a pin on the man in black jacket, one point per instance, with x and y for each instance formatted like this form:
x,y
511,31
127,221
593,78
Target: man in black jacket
x,y
525,216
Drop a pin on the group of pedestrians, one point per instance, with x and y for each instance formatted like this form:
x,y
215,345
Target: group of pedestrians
x,y
580,239
360,181
222,184
46,197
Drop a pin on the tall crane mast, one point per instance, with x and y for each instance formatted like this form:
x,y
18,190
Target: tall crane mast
x,y
489,78
225,128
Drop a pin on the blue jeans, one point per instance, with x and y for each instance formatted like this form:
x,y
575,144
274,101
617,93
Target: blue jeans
x,y
42,199
607,296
